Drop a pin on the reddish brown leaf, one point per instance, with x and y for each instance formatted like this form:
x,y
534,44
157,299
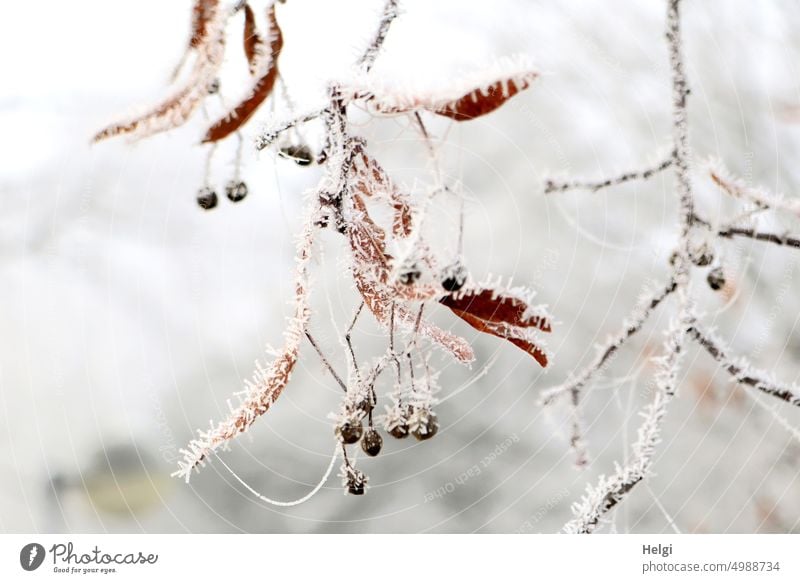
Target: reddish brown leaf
x,y
202,12
253,42
501,315
537,353
368,242
466,98
181,104
401,226
267,383
260,92
403,216
371,270
498,308
480,102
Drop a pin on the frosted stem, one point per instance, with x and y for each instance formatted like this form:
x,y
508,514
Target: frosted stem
x,y
743,372
552,186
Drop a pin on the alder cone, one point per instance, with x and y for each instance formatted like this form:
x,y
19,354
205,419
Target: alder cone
x,y
426,428
349,432
207,198
372,442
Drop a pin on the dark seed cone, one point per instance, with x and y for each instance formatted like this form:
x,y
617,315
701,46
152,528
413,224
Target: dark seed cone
x,y
356,489
702,256
427,428
409,275
300,154
356,483
366,405
322,220
372,442
235,191
349,432
206,198
399,431
454,277
673,257
716,279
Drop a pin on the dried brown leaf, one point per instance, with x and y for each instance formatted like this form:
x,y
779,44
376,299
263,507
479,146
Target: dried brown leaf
x,y
371,271
268,382
502,315
209,35
371,175
253,43
202,12
483,101
267,67
466,98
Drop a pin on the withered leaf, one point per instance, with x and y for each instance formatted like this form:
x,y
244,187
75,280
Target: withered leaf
x,y
253,42
371,175
501,315
202,11
268,67
371,267
483,101
468,98
209,36
267,383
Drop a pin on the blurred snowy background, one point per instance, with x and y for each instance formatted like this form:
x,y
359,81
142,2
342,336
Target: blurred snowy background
x,y
129,316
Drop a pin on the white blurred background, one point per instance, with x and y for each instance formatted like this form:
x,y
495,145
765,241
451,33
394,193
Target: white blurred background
x,y
129,316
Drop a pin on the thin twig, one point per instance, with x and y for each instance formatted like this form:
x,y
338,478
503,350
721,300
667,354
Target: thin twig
x,y
612,490
680,122
743,372
326,362
631,326
347,339
783,240
268,137
552,186
389,14
736,188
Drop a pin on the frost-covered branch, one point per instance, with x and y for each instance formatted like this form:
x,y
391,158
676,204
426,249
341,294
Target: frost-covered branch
x,y
273,132
680,123
742,371
365,63
761,198
611,490
632,324
785,240
373,49
552,185
646,306
326,362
